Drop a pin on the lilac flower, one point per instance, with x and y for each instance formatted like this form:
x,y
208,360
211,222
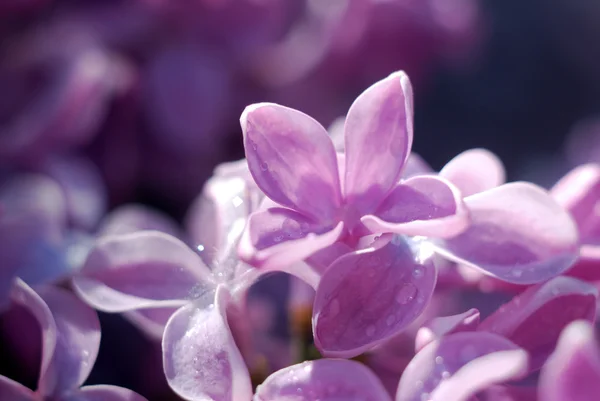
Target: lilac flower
x,y
159,279
294,163
70,343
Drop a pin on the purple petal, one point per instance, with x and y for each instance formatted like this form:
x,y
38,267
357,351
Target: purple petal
x,y
78,341
292,159
415,165
83,188
277,237
147,269
200,358
534,319
379,134
151,322
24,296
441,326
217,218
424,206
102,393
573,371
518,234
578,192
508,393
128,219
474,171
587,267
457,366
324,379
336,133
13,391
370,295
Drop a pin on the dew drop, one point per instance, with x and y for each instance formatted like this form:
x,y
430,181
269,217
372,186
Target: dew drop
x,y
517,273
390,320
370,330
418,272
406,294
277,238
254,145
445,374
439,360
264,166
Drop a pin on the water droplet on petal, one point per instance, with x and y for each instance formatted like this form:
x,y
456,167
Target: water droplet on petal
x,y
390,320
517,273
406,294
445,374
439,360
418,272
370,330
264,166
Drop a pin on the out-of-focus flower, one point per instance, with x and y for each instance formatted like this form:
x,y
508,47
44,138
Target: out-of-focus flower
x,y
48,219
294,163
573,370
70,342
532,320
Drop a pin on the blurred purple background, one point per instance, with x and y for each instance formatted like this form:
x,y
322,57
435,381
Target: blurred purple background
x,y
150,91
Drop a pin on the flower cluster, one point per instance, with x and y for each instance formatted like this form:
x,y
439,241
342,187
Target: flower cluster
x,y
399,281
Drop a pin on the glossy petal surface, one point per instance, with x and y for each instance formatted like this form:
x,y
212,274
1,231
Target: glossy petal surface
x,y
292,159
200,358
457,366
141,270
378,137
278,237
423,205
324,379
439,327
518,234
370,295
77,342
535,319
